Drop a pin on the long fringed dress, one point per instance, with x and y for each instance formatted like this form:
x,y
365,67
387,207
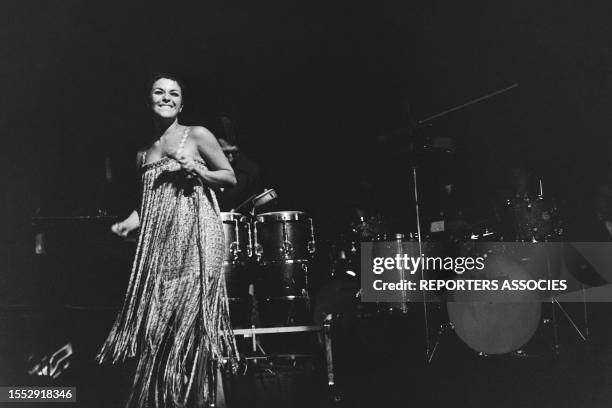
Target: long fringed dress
x,y
175,314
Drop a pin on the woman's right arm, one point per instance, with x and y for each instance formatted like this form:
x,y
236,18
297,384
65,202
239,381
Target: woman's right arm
x,y
132,222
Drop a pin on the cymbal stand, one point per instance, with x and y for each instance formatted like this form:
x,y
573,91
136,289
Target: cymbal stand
x,y
414,126
554,303
430,350
428,354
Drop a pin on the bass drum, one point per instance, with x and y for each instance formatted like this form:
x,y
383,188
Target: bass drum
x,y
495,321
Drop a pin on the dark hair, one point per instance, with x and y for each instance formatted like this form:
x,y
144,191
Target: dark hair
x,y
156,77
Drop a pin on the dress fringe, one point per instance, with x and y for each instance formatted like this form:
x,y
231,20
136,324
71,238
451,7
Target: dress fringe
x,y
175,316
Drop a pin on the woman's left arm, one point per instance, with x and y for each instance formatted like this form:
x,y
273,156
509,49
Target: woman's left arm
x,y
219,172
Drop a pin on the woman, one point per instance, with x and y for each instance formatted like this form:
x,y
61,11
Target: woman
x,y
175,315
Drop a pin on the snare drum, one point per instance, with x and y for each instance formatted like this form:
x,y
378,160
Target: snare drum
x,y
283,236
404,247
238,244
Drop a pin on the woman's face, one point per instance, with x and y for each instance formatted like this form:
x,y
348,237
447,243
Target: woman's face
x,y
166,98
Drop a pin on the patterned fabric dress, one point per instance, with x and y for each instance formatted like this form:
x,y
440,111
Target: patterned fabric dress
x,y
175,315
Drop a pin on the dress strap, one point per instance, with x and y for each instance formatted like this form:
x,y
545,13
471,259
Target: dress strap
x,y
183,140
143,159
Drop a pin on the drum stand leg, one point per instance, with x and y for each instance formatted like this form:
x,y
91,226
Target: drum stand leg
x,y
329,361
555,327
584,336
554,303
586,318
442,330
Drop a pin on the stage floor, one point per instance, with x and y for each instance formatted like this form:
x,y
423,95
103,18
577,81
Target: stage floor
x,y
379,361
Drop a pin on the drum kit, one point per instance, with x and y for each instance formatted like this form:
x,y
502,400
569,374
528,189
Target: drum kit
x,y
267,259
487,324
271,254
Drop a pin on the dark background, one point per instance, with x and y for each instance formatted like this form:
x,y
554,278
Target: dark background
x,y
313,86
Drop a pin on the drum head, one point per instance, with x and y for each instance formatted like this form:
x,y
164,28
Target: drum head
x,y
233,216
495,328
279,216
496,322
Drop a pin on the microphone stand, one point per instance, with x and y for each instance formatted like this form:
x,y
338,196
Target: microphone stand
x,y
417,148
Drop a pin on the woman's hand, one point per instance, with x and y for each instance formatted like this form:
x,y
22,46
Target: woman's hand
x,y
126,226
217,172
188,164
121,229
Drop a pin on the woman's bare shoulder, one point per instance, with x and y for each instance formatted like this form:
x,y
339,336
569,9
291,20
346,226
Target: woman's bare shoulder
x,y
200,132
201,135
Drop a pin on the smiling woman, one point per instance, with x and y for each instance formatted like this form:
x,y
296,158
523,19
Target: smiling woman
x,y
166,97
175,314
